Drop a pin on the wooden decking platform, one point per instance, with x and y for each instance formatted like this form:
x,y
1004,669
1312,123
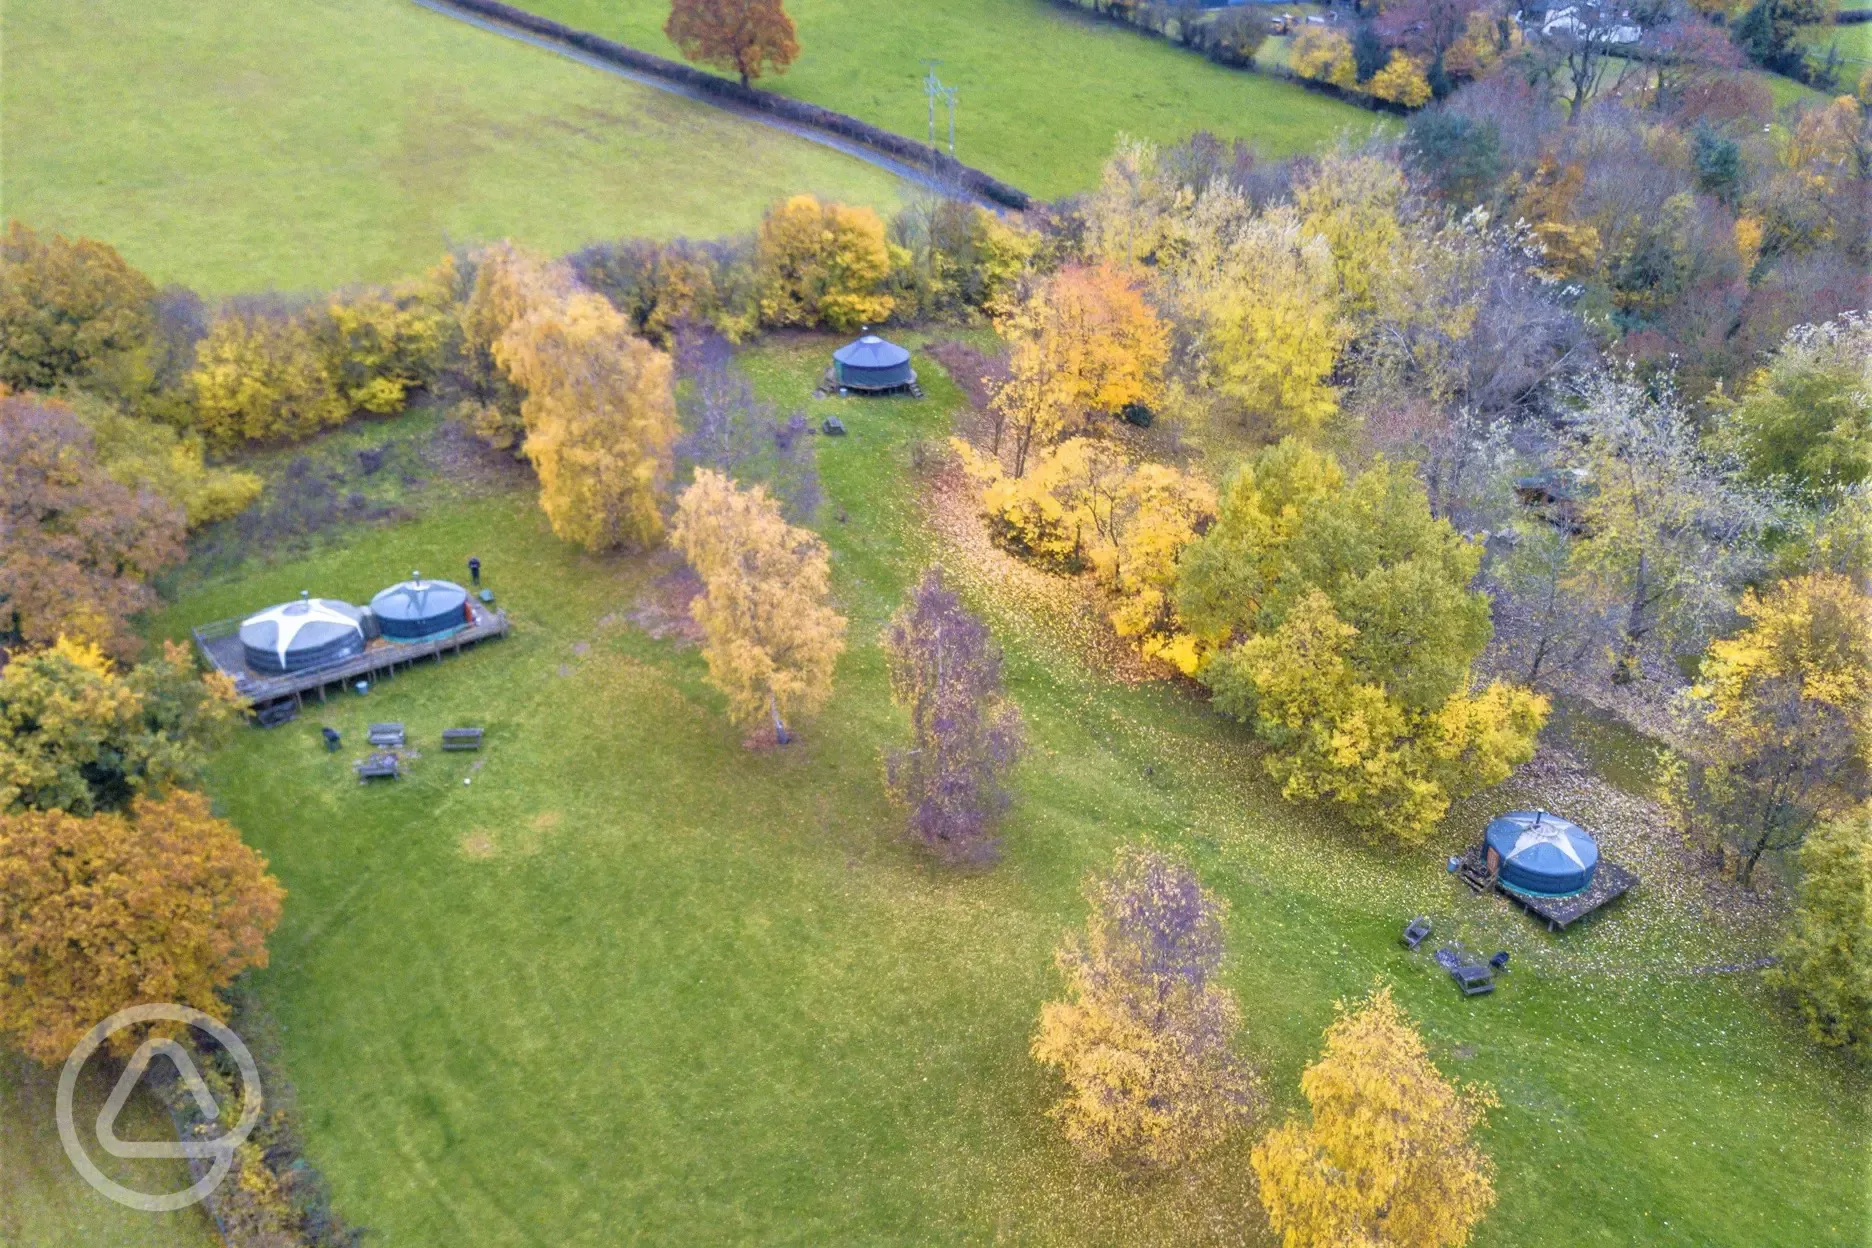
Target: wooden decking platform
x,y
220,645
1609,881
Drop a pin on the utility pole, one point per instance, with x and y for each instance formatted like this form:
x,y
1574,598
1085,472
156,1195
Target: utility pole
x,y
931,87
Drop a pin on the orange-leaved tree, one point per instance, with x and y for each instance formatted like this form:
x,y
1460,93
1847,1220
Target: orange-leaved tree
x,y
163,903
75,546
1083,340
746,36
1385,1157
771,635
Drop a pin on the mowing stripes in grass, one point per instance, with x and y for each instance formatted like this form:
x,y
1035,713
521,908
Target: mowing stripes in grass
x,y
235,146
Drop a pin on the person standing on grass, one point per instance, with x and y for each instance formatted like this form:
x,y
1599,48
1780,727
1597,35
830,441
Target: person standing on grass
x,y
474,571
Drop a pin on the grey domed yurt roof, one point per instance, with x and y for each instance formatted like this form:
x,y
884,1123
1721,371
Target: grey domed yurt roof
x,y
295,636
1542,853
416,609
871,363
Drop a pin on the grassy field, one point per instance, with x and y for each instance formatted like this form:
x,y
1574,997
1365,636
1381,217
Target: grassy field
x,y
1044,90
1854,40
619,978
43,1201
235,146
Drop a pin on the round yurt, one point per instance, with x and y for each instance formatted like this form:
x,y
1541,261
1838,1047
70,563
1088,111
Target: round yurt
x,y
417,610
871,363
1540,853
295,636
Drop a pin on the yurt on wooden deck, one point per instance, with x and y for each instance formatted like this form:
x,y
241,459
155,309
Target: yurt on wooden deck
x,y
1541,854
299,636
418,610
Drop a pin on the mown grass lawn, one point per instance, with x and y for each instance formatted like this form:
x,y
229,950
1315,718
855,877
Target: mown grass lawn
x,y
1044,91
633,980
44,1202
234,146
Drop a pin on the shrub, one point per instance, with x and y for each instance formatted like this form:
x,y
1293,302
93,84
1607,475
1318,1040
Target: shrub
x,y
72,311
264,376
822,264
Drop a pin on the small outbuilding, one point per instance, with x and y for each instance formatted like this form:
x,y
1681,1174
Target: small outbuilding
x,y
298,636
419,610
871,364
1540,854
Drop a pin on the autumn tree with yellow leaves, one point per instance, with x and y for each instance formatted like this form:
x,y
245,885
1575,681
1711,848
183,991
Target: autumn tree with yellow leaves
x,y
383,342
509,283
79,733
772,638
1143,1040
1788,708
600,419
1335,616
1352,202
1272,327
1086,505
263,375
822,264
1386,1156
1083,341
1325,56
161,902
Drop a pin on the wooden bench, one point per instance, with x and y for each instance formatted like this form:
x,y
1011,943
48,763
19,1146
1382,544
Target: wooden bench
x,y
386,734
1414,934
384,766
461,738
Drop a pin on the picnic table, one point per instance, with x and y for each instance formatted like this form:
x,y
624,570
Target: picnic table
x,y
386,734
1474,978
384,765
